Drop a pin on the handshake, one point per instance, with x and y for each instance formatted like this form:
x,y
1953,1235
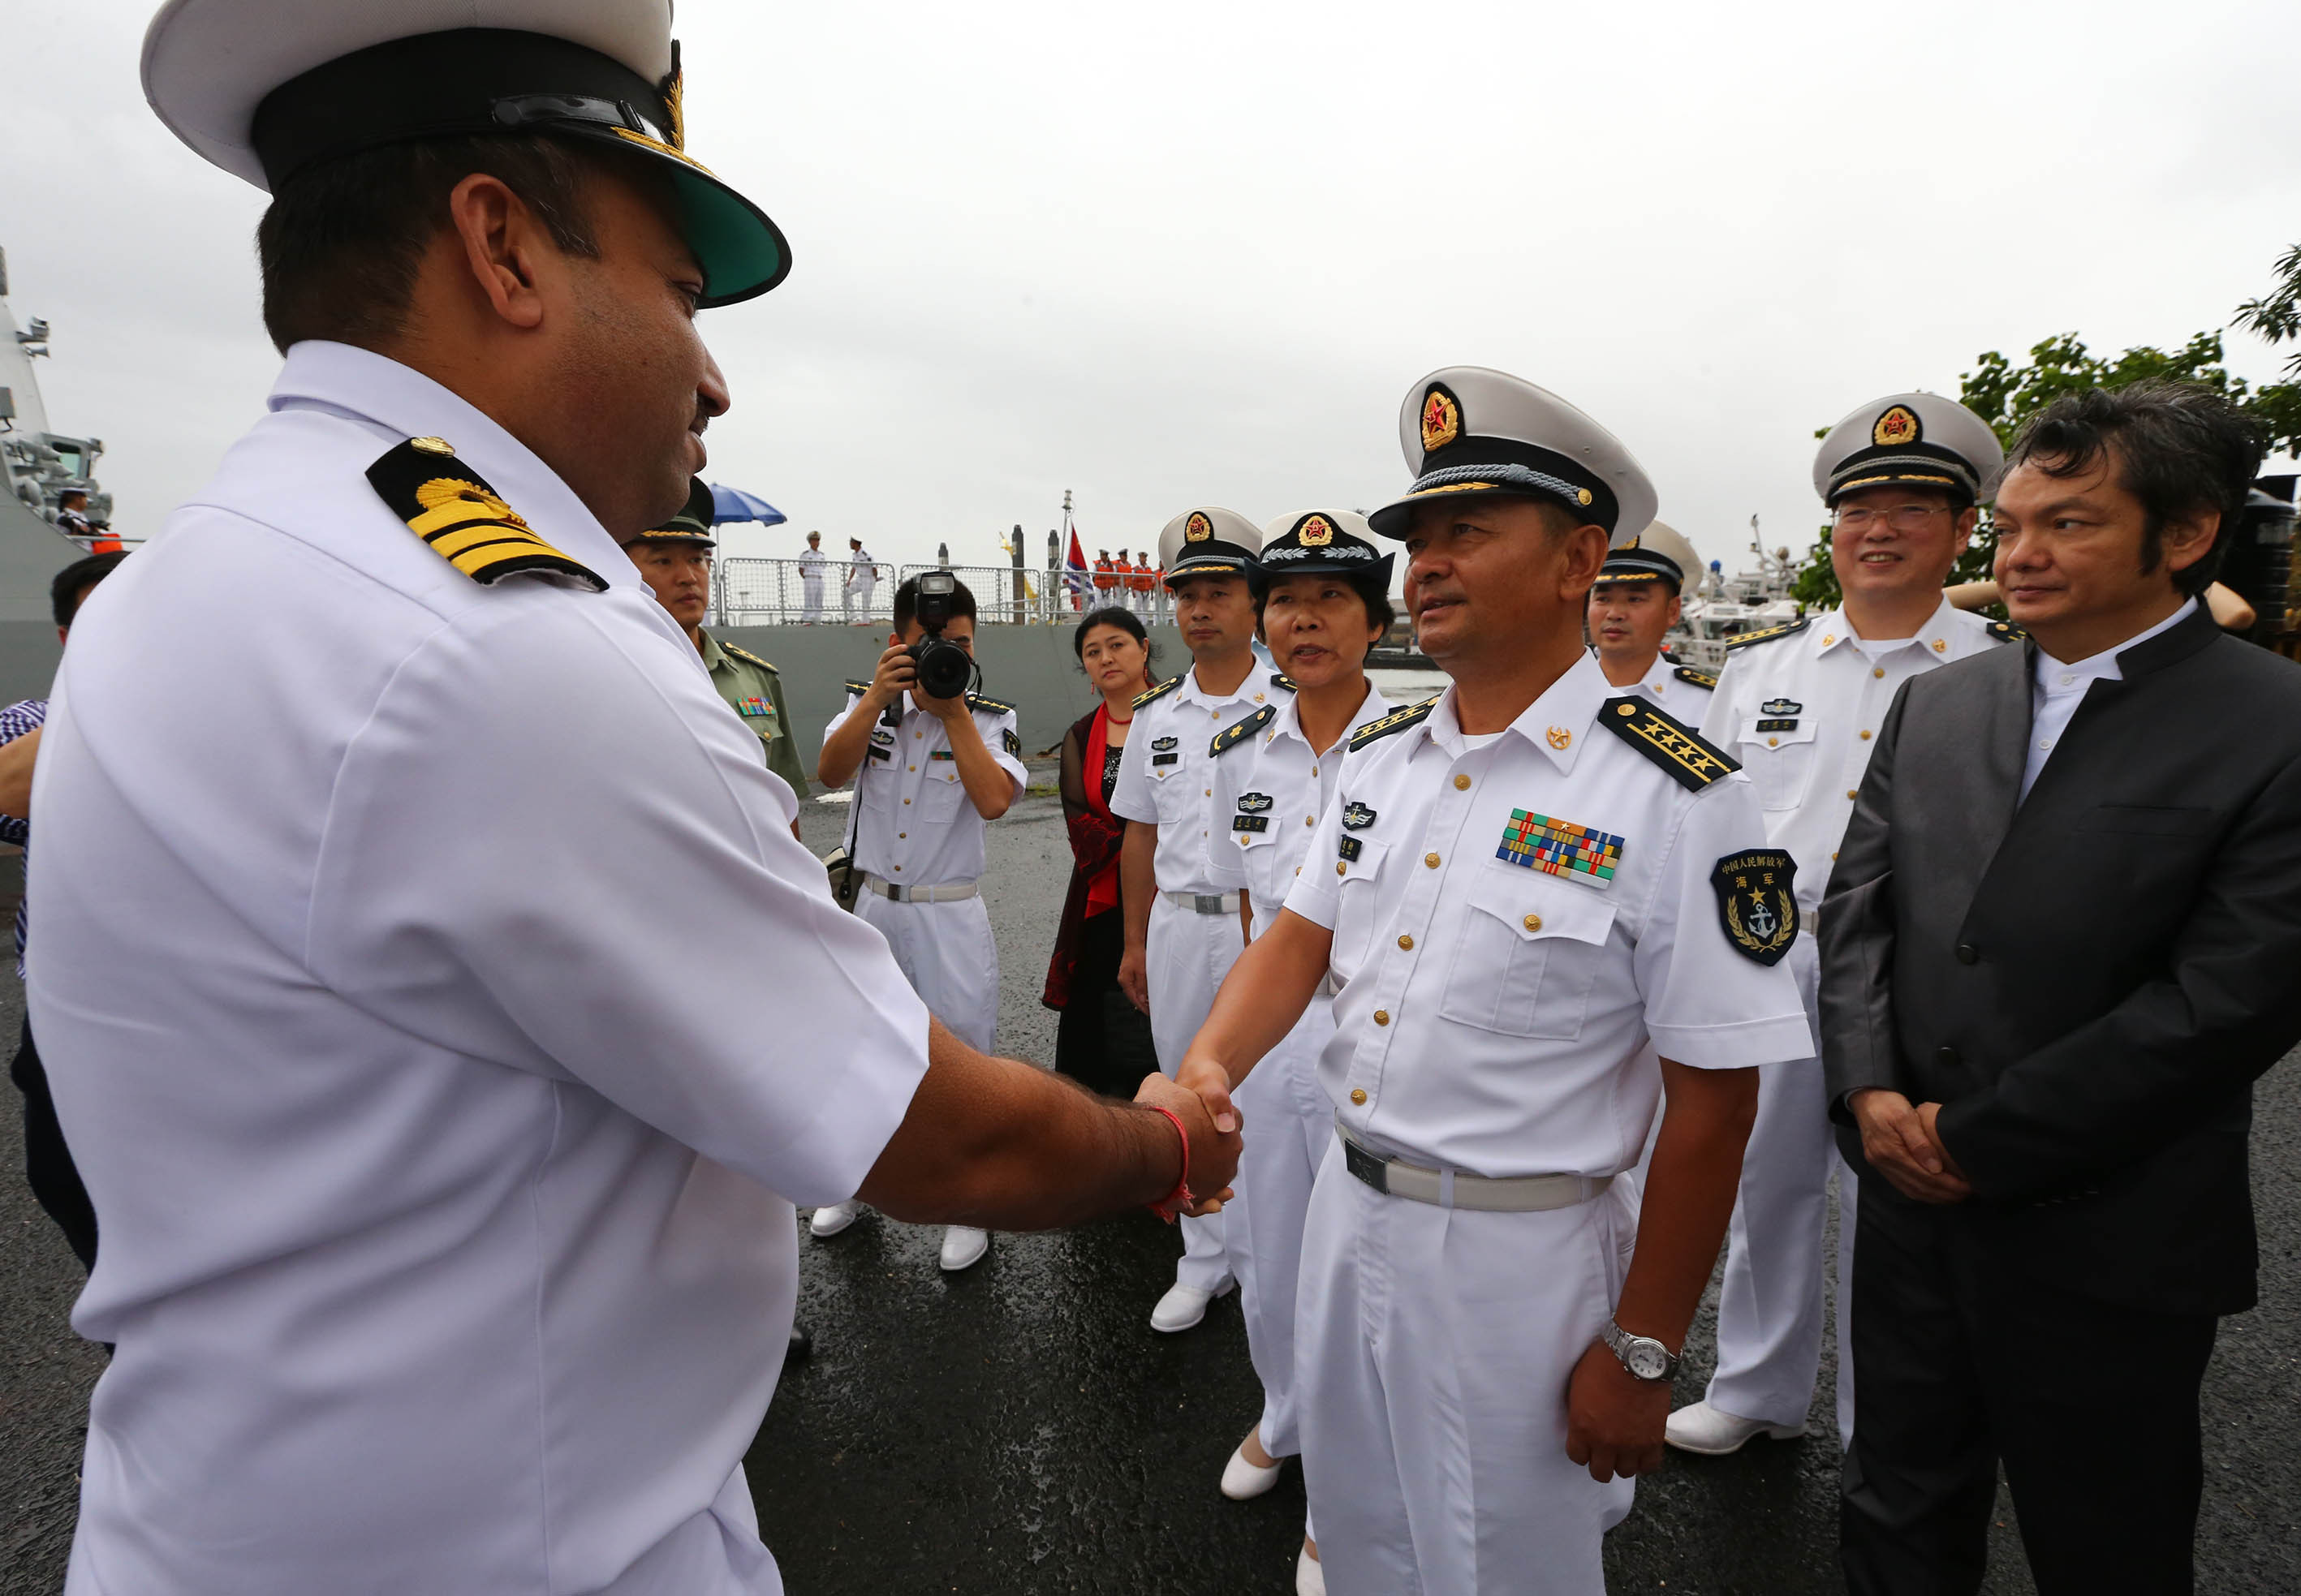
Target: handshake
x,y
1198,1102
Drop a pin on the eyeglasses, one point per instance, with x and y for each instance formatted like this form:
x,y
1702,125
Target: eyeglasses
x,y
1902,518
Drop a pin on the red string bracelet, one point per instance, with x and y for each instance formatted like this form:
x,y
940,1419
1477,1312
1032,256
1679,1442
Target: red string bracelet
x,y
1180,1198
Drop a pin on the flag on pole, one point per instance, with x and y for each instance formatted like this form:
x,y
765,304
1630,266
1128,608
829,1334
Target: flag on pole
x,y
1074,572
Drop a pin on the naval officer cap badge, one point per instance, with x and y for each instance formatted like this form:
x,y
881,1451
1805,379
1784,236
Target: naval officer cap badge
x,y
1207,539
1323,543
1909,440
273,90
1757,905
1468,431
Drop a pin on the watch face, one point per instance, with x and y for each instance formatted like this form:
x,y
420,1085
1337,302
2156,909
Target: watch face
x,y
1648,1360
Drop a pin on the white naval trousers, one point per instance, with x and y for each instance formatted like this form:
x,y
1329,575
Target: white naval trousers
x,y
1769,1302
946,951
811,593
1186,955
1289,1122
1435,1349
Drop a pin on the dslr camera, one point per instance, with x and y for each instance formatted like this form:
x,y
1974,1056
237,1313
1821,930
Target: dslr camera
x,y
941,668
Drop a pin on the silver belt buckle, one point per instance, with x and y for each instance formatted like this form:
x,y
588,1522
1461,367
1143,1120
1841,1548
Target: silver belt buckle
x,y
1206,903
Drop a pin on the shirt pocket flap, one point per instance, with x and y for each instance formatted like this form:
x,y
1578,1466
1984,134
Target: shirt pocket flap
x,y
1359,858
1535,906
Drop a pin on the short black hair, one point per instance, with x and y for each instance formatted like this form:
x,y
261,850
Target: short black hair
x,y
64,593
1372,593
2179,448
342,242
1127,622
906,601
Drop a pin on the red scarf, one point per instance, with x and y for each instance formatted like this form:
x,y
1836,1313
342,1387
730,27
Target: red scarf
x,y
1102,887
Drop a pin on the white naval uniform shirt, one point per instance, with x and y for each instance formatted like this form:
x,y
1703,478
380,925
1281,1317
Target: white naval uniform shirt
x,y
1165,777
401,947
811,564
1686,701
862,571
916,827
1269,792
2057,688
1801,713
1492,1017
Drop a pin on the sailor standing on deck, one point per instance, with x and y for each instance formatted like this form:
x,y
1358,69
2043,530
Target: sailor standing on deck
x,y
446,1230
1799,706
1633,605
1519,888
812,566
862,581
1182,928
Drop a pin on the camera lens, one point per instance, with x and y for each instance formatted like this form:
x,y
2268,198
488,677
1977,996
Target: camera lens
x,y
943,668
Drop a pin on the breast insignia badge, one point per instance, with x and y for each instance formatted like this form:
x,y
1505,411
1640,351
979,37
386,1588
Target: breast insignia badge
x,y
1560,847
1357,816
1756,904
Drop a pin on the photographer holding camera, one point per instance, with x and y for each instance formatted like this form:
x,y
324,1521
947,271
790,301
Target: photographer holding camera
x,y
935,761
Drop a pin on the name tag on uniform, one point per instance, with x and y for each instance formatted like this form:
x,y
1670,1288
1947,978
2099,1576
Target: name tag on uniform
x,y
1787,725
1349,849
1249,823
1560,847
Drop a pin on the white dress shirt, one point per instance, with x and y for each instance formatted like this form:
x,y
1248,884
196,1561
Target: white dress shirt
x,y
1166,778
1494,1018
1688,701
1802,713
403,948
916,827
1269,791
2057,688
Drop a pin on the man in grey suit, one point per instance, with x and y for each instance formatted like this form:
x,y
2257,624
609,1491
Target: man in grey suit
x,y
2060,944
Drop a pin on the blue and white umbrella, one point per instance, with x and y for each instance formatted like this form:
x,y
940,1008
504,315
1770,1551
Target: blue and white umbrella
x,y
733,504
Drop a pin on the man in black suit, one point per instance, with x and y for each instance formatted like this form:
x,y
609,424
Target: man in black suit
x,y
2061,942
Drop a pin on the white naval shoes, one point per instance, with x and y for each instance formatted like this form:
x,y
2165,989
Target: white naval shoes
x,y
1182,1308
832,1218
1309,1575
1714,1433
963,1247
1244,1481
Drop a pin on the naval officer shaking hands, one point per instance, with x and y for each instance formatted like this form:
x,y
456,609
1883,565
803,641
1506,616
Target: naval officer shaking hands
x,y
1523,889
449,1242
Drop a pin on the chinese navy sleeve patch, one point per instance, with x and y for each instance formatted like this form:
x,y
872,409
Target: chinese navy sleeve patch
x,y
451,508
1671,744
1756,906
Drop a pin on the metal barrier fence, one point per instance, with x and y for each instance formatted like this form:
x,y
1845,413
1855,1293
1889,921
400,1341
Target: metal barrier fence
x,y
751,592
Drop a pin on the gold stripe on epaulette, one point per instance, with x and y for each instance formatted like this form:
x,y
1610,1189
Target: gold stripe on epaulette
x,y
1697,677
1800,625
1232,735
454,510
1669,743
1156,693
1399,721
746,656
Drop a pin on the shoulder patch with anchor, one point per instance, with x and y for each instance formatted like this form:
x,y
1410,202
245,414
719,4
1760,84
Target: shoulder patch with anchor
x,y
1671,744
977,701
747,657
1413,714
1701,679
1158,692
1757,906
1231,736
451,508
2004,631
1770,633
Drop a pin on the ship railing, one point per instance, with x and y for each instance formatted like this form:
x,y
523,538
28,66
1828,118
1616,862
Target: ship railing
x,y
758,592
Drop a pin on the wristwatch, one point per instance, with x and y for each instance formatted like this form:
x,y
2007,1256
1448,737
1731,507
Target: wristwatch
x,y
1643,1357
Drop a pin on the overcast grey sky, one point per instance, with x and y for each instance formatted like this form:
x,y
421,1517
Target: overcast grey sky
x,y
1195,252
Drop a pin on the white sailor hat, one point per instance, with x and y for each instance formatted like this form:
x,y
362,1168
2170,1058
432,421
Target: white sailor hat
x,y
267,89
1910,440
1471,431
1321,543
692,525
1208,539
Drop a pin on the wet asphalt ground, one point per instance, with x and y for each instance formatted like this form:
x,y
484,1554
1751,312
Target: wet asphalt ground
x,y
1020,1430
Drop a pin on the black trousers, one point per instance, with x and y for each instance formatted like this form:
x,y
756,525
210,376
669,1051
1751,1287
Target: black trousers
x,y
48,1168
1962,1360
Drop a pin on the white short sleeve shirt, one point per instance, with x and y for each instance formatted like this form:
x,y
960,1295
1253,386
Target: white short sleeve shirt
x,y
1492,1015
916,827
402,952
1269,790
1165,777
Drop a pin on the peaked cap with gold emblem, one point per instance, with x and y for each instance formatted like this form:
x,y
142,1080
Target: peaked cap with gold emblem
x,y
1320,543
1208,539
268,89
692,525
1910,440
1469,430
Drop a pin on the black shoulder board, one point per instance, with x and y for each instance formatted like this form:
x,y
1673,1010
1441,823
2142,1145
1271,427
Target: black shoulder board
x,y
1231,736
746,656
2005,632
977,701
451,508
1413,714
1158,692
1281,679
854,689
1771,633
1671,744
1687,673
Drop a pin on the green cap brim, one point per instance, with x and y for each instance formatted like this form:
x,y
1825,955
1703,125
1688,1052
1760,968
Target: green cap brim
x,y
742,253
